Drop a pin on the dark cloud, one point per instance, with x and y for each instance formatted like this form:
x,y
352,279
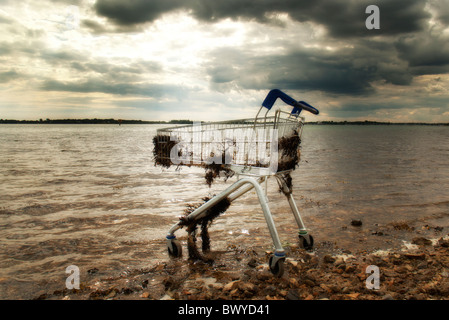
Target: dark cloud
x,y
99,85
347,71
424,52
400,17
372,107
95,27
319,71
136,11
381,57
222,74
342,18
366,107
8,76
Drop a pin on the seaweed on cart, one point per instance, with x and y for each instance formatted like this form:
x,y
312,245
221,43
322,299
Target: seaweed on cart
x,y
205,222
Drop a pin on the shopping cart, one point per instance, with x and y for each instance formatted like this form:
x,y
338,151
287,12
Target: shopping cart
x,y
253,149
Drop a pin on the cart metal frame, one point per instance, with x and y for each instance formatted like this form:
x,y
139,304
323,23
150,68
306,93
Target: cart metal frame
x,y
254,177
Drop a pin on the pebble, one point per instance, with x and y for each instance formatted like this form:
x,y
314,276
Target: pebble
x,y
309,282
443,243
270,290
292,295
328,259
339,261
92,271
423,265
356,223
111,295
415,256
346,290
354,295
292,262
349,269
231,285
263,276
293,282
246,286
421,241
252,263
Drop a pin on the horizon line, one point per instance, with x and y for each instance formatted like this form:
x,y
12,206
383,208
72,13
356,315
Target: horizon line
x,y
185,121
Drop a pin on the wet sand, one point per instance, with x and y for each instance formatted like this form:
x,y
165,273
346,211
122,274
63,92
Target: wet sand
x,y
417,271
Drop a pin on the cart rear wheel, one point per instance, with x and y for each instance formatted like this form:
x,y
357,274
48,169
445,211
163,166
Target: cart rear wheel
x,y
305,243
176,249
278,269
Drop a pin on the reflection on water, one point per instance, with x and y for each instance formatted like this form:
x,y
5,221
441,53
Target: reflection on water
x,y
89,195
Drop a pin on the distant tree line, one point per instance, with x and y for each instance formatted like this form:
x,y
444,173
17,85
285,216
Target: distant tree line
x,y
93,121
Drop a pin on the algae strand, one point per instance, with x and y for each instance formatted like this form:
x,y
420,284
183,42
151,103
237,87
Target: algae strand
x,y
205,222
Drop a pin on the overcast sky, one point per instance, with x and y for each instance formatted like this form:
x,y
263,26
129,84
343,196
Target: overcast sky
x,y
217,59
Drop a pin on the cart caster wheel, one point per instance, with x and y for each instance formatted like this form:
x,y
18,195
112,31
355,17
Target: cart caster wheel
x,y
306,241
278,269
174,249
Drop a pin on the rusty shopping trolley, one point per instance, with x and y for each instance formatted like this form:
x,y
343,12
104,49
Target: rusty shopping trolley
x,y
254,150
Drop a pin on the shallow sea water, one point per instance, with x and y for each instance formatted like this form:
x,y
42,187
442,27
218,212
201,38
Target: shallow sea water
x,y
90,196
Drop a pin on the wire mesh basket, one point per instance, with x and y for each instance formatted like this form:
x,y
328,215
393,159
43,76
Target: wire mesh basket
x,y
272,143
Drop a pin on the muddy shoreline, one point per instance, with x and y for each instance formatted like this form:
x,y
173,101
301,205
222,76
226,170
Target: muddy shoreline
x,y
417,272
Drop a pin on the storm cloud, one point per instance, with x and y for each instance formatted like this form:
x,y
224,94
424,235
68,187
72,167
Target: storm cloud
x,y
342,18
424,50
405,50
168,59
347,71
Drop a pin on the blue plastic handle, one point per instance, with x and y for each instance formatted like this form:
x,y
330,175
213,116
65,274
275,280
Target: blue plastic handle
x,y
304,105
274,94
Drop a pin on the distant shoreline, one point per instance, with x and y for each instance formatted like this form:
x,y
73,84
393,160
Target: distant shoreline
x,y
91,121
121,121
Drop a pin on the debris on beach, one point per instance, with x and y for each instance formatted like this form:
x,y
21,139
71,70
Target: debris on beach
x,y
418,274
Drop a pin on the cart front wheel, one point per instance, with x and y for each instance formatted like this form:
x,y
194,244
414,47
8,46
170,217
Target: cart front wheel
x,y
175,250
278,269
